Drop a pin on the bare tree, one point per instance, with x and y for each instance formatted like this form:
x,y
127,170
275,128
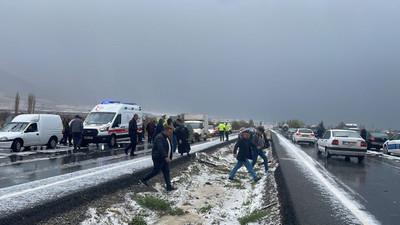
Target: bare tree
x,y
16,104
31,103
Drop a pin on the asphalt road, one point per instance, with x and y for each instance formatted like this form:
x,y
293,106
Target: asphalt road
x,y
347,192
27,166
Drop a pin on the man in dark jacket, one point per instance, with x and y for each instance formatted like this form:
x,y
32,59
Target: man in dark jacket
x,y
159,128
244,145
162,156
259,143
132,135
182,135
150,131
76,128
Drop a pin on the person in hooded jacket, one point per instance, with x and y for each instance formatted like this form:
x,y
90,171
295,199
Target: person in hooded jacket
x,y
244,144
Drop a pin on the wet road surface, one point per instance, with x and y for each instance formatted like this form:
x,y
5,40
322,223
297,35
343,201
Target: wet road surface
x,y
36,164
372,185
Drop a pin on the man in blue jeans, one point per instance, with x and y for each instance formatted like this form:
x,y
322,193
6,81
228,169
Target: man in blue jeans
x,y
244,146
258,146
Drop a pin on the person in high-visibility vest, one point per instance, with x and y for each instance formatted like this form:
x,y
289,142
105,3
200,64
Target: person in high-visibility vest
x,y
221,128
227,130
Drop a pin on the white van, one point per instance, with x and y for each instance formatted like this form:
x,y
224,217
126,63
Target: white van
x,y
109,121
31,130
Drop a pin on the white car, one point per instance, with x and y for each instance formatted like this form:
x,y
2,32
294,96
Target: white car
x,y
304,135
342,142
392,145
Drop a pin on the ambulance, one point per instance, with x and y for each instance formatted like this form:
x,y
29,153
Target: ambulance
x,y
109,122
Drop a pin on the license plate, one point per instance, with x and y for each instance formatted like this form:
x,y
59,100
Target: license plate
x,y
304,135
349,143
88,138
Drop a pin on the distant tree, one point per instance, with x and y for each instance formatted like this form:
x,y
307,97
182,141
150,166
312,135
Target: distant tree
x,y
16,104
295,123
235,125
251,123
340,126
31,103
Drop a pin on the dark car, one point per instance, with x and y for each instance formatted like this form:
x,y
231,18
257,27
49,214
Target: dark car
x,y
376,139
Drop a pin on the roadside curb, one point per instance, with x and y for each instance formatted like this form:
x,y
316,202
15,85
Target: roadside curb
x,y
288,214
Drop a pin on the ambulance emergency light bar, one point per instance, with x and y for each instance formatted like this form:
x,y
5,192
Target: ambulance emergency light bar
x,y
115,102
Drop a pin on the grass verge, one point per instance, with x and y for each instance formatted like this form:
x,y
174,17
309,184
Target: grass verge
x,y
255,216
156,204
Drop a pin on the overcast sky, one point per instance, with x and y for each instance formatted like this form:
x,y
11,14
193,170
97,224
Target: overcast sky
x,y
269,60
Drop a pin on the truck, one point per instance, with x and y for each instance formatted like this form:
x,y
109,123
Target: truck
x,y
108,122
199,123
28,130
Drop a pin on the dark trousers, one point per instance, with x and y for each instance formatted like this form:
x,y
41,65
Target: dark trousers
x,y
227,136
150,137
77,137
259,152
160,165
131,146
221,135
65,137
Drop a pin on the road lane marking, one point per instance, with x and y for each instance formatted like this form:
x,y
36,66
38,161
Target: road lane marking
x,y
72,179
362,216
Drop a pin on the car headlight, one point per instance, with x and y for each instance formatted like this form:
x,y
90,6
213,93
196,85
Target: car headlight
x,y
3,139
104,129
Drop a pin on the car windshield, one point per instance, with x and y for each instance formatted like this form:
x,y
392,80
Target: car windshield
x,y
379,135
14,127
305,131
195,125
99,118
352,134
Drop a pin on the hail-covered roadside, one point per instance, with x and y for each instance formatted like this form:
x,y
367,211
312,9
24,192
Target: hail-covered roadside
x,y
204,195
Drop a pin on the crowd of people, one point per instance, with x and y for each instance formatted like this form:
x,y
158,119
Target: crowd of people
x,y
168,136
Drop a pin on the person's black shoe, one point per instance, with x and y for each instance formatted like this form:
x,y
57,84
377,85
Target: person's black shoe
x,y
231,178
126,151
171,189
133,154
257,179
144,182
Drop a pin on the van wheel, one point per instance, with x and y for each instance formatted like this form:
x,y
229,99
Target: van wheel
x,y
112,141
52,143
17,145
360,158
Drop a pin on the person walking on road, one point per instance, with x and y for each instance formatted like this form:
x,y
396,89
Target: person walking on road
x,y
161,155
259,143
159,128
150,131
65,131
76,128
221,128
182,135
132,135
227,130
244,145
